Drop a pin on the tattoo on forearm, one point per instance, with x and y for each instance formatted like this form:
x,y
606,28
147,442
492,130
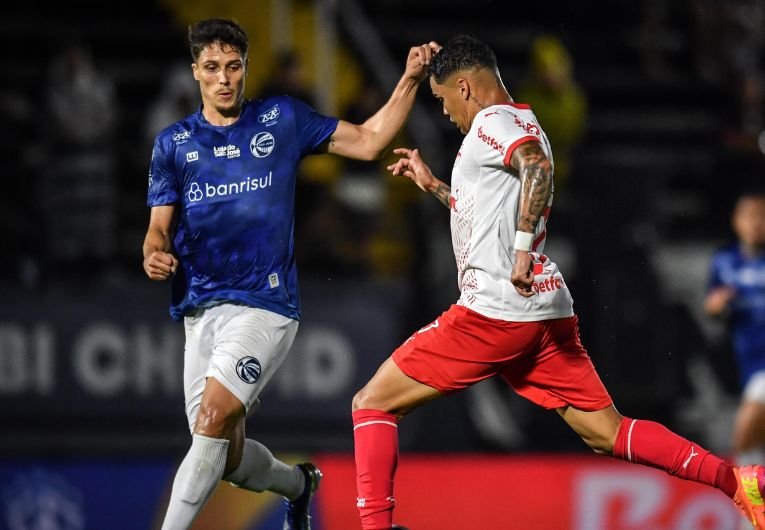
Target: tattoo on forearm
x,y
535,172
444,194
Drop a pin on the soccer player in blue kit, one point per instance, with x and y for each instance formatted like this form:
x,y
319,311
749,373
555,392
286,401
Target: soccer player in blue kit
x,y
221,192
737,291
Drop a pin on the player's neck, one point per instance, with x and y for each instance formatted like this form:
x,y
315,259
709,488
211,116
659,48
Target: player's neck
x,y
221,118
752,251
488,98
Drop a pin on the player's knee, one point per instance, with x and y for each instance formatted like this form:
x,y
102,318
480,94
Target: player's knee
x,y
364,399
360,400
601,443
216,421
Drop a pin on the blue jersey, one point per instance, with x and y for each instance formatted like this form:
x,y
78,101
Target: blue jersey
x,y
731,268
234,187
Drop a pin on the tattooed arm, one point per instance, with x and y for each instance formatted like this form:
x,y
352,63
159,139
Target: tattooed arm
x,y
369,140
412,166
535,172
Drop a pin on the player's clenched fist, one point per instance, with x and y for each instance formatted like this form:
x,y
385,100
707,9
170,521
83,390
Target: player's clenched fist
x,y
160,265
522,276
419,58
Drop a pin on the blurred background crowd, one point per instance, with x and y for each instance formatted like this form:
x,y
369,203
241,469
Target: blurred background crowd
x,y
656,114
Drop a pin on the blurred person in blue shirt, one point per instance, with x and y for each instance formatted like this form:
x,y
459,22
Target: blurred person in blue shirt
x,y
222,198
737,293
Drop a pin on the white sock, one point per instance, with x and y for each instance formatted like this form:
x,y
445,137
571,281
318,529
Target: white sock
x,y
195,480
260,471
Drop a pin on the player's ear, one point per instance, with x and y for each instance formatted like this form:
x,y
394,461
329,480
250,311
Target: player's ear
x,y
195,71
464,88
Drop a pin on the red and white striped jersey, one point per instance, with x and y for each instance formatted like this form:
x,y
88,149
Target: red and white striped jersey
x,y
485,193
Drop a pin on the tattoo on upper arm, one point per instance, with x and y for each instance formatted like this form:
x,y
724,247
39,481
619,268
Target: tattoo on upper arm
x,y
535,171
444,194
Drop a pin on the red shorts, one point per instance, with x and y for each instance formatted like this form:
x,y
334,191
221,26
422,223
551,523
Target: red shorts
x,y
543,361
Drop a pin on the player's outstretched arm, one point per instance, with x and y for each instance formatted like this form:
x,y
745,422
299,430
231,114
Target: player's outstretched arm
x,y
158,261
412,166
369,140
535,172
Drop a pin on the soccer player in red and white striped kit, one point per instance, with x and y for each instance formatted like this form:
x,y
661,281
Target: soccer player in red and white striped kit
x,y
514,317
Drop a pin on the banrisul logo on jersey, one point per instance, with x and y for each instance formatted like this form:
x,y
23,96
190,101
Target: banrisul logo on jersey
x,y
204,190
262,144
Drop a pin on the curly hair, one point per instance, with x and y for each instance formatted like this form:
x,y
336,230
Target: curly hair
x,y
222,31
461,53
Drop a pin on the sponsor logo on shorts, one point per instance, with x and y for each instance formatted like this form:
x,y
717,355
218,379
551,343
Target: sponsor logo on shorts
x,y
248,369
262,144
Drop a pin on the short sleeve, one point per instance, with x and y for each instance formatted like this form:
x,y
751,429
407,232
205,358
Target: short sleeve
x,y
502,131
312,128
163,181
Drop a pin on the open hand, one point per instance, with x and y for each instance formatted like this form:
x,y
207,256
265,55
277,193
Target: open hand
x,y
412,166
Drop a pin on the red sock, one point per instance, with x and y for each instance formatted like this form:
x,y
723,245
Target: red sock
x,y
651,444
375,435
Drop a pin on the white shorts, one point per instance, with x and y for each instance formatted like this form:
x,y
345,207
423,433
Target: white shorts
x,y
755,388
240,346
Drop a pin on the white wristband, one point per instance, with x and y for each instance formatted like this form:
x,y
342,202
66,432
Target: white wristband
x,y
523,241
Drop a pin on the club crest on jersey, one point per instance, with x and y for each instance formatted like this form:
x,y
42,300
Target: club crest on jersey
x,y
248,369
269,117
262,144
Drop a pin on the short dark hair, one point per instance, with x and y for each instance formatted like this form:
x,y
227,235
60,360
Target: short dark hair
x,y
222,31
463,52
